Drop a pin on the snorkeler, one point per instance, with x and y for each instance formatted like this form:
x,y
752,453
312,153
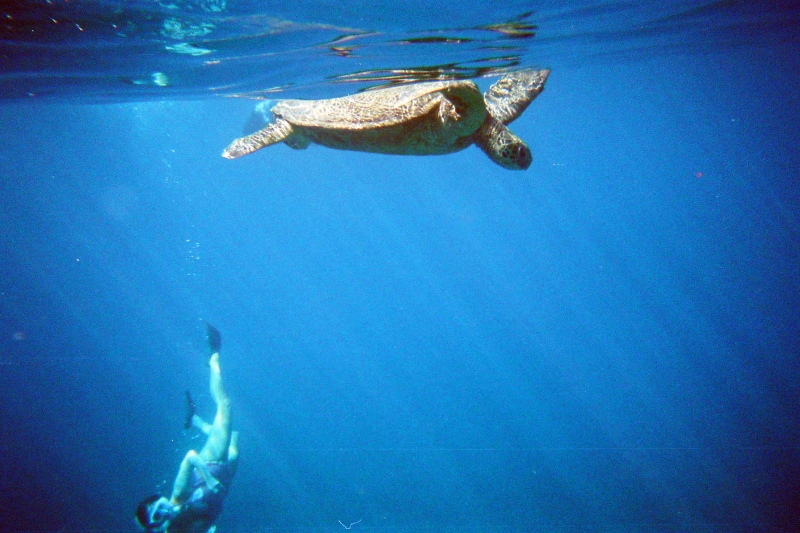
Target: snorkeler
x,y
203,478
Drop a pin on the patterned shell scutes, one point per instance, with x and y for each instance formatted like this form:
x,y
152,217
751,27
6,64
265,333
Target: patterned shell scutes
x,y
375,108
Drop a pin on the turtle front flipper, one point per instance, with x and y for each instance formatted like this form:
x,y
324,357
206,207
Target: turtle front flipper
x,y
507,99
278,131
503,146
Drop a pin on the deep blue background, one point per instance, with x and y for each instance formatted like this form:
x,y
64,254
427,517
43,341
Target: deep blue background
x,y
606,342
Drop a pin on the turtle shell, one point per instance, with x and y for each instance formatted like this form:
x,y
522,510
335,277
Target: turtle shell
x,y
419,119
383,107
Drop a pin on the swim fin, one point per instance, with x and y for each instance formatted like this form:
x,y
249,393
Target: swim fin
x,y
190,410
214,339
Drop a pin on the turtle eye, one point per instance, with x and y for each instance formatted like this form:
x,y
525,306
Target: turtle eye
x,y
460,105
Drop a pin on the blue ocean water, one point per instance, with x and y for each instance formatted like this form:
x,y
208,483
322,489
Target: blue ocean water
x,y
605,342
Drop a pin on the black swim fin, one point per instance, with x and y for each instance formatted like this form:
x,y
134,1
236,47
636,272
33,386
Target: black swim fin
x,y
190,410
214,339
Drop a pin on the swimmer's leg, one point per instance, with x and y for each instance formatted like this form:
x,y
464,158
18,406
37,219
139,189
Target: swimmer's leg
x,y
201,424
219,435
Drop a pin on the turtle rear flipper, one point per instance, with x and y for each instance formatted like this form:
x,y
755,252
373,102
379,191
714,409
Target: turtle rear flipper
x,y
278,131
507,99
297,142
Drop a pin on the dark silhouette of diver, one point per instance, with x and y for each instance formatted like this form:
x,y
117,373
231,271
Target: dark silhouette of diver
x,y
203,478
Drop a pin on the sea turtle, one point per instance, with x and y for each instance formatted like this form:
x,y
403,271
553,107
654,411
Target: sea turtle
x,y
437,117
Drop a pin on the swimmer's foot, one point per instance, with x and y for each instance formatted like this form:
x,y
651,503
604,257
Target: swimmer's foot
x,y
190,409
214,339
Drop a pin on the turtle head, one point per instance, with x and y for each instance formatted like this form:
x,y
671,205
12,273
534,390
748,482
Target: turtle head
x,y
512,153
503,146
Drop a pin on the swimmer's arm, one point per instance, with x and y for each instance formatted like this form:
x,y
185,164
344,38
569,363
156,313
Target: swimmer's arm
x,y
233,448
205,473
183,481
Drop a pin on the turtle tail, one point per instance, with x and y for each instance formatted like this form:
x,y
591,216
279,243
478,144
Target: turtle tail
x,y
278,131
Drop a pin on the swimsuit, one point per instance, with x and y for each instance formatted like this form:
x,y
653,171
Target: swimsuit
x,y
204,505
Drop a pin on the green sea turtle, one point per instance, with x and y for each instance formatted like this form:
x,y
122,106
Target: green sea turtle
x,y
426,118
